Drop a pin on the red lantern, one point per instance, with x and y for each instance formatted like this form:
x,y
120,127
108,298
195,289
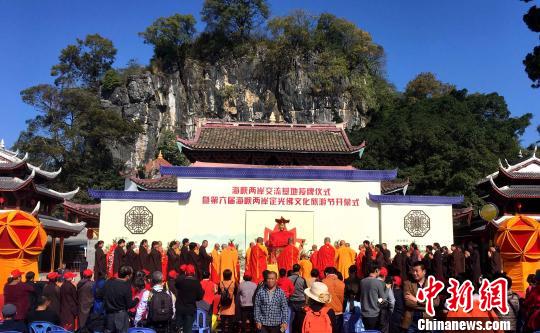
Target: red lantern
x,y
2,200
518,207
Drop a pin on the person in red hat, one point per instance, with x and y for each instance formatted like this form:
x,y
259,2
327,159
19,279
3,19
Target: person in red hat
x,y
52,291
68,302
18,294
85,296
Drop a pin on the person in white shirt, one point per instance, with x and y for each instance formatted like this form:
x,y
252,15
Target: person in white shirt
x,y
141,316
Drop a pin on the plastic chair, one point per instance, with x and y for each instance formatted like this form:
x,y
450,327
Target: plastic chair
x,y
140,330
44,327
199,324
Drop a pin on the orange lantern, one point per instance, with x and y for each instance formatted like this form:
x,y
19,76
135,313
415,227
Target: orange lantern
x,y
22,238
519,241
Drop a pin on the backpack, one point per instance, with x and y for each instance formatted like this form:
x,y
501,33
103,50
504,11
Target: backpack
x,y
317,321
225,299
160,306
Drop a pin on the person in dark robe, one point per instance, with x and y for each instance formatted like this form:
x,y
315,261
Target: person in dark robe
x,y
154,258
119,256
85,296
206,259
427,260
379,258
100,261
69,306
457,261
132,259
438,262
144,262
368,258
398,263
173,257
387,255
495,264
446,262
184,252
52,291
474,266
194,259
37,286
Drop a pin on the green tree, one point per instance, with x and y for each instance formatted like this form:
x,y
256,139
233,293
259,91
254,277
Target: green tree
x,y
426,85
532,59
111,80
234,19
85,62
171,37
167,146
444,144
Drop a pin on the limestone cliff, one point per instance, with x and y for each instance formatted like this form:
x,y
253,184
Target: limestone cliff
x,y
236,90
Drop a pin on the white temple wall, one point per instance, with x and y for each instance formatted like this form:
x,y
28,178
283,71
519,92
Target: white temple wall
x,y
393,225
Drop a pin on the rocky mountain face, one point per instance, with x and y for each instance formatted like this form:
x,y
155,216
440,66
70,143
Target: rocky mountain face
x,y
240,90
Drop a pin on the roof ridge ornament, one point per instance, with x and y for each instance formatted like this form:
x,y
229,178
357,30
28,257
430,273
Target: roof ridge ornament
x,y
534,151
508,164
2,144
520,154
35,211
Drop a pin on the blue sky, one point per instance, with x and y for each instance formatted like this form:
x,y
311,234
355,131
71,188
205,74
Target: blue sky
x,y
478,45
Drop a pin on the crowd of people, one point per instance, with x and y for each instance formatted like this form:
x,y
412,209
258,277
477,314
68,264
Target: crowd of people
x,y
331,288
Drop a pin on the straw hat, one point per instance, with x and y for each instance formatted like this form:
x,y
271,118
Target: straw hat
x,y
318,292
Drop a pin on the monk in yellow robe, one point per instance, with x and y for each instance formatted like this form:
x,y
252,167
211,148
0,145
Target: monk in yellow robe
x,y
258,261
345,257
305,267
288,256
214,266
229,260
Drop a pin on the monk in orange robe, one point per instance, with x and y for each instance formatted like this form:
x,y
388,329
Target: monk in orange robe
x,y
258,260
214,267
248,256
288,256
313,257
345,257
326,256
305,267
229,260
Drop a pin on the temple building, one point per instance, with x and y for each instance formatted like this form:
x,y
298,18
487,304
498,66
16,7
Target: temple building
x,y
245,176
514,188
23,186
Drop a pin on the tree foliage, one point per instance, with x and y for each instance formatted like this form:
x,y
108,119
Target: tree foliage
x,y
71,129
167,146
171,37
85,62
234,19
532,59
427,85
444,144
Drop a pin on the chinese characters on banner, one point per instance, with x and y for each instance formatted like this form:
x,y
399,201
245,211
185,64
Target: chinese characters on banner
x,y
280,196
491,295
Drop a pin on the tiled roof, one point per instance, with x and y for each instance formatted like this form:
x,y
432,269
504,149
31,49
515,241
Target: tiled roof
x,y
516,191
389,186
13,183
519,175
55,224
279,173
165,183
92,210
271,137
416,199
156,164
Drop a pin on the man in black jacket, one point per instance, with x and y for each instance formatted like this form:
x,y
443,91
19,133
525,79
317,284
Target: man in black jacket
x,y
119,259
188,292
117,299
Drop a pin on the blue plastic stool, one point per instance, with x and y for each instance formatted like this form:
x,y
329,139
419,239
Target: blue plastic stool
x,y
200,324
140,330
44,327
